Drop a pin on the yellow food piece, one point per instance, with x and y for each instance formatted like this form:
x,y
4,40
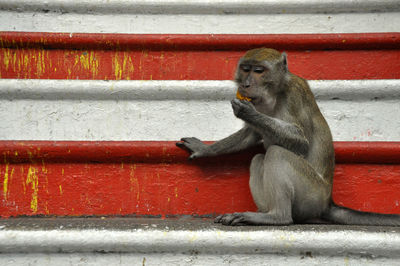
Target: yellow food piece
x,y
241,97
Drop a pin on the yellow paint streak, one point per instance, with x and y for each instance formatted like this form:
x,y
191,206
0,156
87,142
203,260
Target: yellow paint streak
x,y
5,182
46,207
33,179
88,62
7,57
61,190
40,63
30,155
117,67
23,183
44,169
131,68
22,63
122,65
176,192
134,183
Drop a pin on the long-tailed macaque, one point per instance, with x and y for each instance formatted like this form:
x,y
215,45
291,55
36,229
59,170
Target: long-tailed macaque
x,y
292,181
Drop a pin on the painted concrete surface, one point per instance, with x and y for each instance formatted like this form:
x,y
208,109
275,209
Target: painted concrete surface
x,y
202,6
145,110
205,16
122,241
201,24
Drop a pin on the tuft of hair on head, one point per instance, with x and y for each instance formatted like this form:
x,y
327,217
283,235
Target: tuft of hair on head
x,y
263,54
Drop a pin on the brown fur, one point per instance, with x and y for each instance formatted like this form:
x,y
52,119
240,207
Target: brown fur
x,y
292,181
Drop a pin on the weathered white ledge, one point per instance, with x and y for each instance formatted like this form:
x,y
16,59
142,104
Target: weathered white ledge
x,y
365,110
14,89
201,6
201,17
141,241
265,246
335,242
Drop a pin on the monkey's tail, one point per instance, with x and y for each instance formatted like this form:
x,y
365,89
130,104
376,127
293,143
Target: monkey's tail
x,y
343,215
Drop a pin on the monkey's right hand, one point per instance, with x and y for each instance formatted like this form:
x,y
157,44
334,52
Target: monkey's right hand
x,y
196,147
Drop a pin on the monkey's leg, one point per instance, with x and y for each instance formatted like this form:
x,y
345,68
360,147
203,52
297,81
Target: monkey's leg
x,y
273,208
284,187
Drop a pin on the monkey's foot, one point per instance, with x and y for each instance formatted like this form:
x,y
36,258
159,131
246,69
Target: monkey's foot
x,y
237,218
251,218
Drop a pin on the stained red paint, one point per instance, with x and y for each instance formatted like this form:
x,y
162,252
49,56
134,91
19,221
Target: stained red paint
x,y
155,178
341,41
193,57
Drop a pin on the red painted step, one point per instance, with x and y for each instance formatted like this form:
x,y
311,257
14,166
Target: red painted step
x,y
155,178
193,57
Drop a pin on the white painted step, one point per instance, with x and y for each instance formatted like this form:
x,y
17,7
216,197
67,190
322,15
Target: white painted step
x,y
190,241
169,110
200,16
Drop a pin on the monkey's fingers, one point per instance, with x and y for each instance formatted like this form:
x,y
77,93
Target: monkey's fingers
x,y
218,218
237,107
190,147
225,219
184,144
180,145
237,220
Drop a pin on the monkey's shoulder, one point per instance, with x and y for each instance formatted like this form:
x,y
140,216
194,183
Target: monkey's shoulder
x,y
298,84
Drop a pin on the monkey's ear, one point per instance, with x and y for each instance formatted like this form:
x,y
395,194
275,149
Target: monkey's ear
x,y
284,61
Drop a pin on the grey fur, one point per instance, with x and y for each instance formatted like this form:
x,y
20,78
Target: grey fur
x,y
292,181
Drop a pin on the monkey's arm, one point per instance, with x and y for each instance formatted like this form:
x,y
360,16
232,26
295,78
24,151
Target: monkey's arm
x,y
242,139
279,132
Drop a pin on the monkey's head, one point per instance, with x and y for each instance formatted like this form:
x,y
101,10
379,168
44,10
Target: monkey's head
x,y
261,72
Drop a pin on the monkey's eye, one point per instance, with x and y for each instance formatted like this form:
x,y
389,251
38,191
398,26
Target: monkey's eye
x,y
259,69
245,68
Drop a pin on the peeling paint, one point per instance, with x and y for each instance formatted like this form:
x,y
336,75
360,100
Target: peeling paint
x,y
44,169
7,57
134,183
123,65
158,188
33,179
6,180
88,62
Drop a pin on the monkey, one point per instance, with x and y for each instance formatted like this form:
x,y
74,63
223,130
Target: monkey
x,y
292,181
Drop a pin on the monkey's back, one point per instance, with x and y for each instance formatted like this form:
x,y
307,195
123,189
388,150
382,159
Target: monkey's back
x,y
321,153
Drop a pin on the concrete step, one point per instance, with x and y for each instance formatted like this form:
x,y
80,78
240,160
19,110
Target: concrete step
x,y
337,42
155,178
188,241
178,16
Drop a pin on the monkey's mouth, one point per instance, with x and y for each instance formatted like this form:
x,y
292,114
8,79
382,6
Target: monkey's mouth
x,y
244,94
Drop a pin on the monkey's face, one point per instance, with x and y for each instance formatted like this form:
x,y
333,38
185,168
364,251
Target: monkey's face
x,y
261,74
253,78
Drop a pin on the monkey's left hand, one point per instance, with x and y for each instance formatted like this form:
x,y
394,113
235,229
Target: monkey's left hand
x,y
242,108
